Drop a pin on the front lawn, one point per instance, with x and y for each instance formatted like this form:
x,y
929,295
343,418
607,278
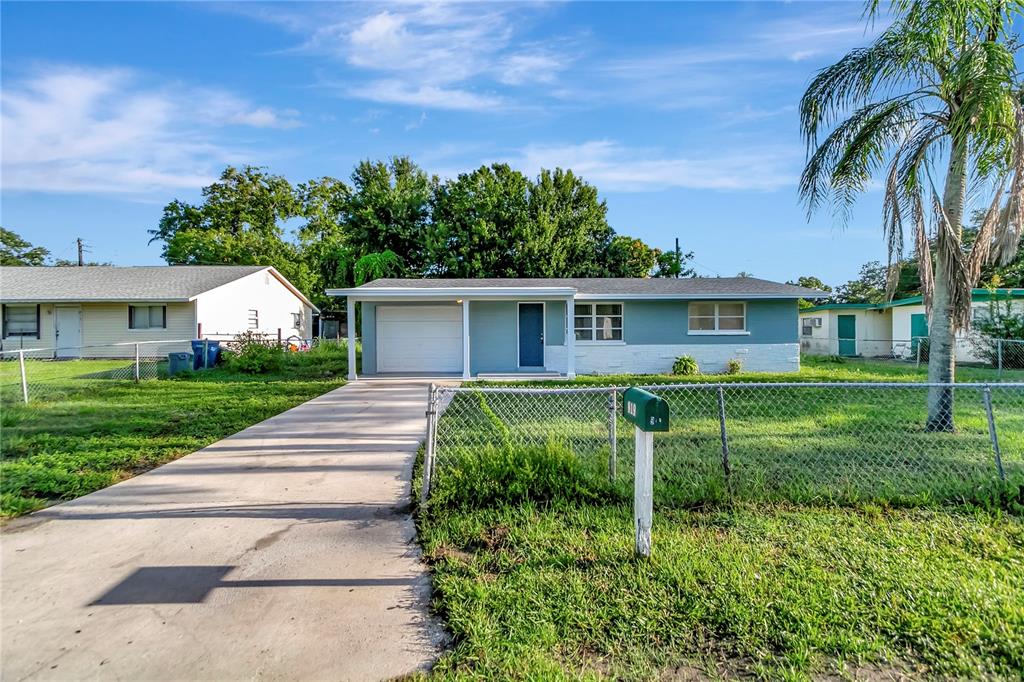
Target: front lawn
x,y
82,432
773,591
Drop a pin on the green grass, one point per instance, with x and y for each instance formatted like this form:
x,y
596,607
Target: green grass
x,y
847,543
81,433
778,592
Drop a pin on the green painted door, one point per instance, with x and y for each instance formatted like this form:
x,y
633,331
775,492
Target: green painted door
x,y
918,330
847,334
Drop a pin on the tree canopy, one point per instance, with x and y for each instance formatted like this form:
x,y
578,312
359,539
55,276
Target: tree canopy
x,y
15,250
393,219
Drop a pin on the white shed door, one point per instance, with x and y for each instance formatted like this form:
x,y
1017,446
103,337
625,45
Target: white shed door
x,y
419,338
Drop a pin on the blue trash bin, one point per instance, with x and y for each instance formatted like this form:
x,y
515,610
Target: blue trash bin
x,y
205,353
198,356
212,353
178,362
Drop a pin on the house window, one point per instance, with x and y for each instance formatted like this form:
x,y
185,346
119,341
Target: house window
x,y
296,320
254,319
807,326
598,321
21,320
147,317
718,318
979,314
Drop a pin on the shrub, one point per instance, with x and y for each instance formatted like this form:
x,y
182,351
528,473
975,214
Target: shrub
x,y
1002,323
685,365
492,476
257,358
734,366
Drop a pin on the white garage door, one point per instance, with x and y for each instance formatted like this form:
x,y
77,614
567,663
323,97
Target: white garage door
x,y
419,338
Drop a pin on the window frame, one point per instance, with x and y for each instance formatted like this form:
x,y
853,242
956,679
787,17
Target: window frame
x,y
149,315
20,335
253,319
593,340
717,331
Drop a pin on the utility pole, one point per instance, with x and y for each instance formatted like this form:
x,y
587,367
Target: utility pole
x,y
81,258
679,260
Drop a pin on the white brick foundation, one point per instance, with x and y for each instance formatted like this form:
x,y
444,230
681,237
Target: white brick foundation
x,y
711,358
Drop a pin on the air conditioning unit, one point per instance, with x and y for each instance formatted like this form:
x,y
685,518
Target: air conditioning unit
x,y
815,321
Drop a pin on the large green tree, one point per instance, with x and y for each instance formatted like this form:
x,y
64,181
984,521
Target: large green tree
x,y
389,210
482,226
933,106
15,250
241,221
324,246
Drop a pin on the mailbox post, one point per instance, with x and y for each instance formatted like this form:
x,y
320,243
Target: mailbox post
x,y
648,413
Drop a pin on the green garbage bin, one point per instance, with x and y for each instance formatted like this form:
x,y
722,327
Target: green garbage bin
x,y
178,362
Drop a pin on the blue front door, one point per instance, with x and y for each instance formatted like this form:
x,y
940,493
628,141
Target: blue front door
x,y
531,334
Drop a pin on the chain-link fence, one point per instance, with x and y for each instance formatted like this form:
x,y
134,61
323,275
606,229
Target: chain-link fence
x,y
28,374
836,442
998,354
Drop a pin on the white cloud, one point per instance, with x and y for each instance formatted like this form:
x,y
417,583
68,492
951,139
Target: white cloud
x,y
68,129
435,55
431,96
612,166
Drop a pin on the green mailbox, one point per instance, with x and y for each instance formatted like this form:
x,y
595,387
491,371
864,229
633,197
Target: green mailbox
x,y
645,410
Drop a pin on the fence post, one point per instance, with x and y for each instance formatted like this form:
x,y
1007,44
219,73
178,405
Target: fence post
x,y
643,491
428,455
612,436
278,337
999,355
136,363
917,351
24,379
993,436
723,435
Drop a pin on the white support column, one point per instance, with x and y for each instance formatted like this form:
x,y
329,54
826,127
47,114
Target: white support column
x,y
465,338
351,323
570,337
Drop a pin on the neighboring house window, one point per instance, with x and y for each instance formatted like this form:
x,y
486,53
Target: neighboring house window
x,y
979,314
807,327
296,320
718,318
21,320
598,321
254,319
147,317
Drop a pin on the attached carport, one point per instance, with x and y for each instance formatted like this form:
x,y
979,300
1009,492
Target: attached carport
x,y
426,330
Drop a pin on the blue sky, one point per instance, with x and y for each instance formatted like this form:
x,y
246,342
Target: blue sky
x,y
682,114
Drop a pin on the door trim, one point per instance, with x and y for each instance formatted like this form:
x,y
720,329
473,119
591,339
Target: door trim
x,y
56,332
543,332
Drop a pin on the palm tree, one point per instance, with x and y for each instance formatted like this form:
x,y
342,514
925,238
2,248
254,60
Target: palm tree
x,y
936,91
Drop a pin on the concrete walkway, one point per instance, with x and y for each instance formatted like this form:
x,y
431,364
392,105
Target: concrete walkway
x,y
283,552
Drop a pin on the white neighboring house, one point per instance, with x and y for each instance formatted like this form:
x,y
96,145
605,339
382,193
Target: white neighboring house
x,y
102,311
887,330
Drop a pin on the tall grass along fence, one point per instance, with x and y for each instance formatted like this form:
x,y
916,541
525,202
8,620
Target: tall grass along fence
x,y
28,374
801,442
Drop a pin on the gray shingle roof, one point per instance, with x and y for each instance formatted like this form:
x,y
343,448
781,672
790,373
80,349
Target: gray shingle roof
x,y
109,283
618,286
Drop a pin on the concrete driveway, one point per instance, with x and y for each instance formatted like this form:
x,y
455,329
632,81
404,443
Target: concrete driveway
x,y
283,552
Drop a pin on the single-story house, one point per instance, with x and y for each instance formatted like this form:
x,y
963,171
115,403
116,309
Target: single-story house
x,y
103,311
888,330
481,327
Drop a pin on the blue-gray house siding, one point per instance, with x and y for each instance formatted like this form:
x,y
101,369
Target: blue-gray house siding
x,y
654,332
